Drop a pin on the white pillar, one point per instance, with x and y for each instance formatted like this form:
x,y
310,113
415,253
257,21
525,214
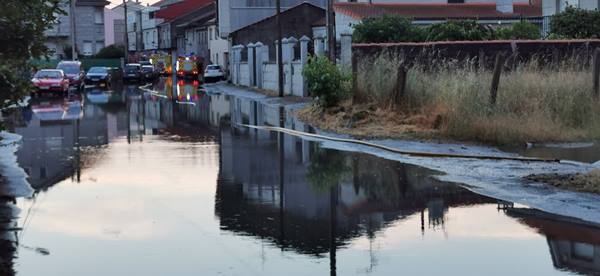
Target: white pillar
x,y
304,40
346,54
237,58
319,46
251,79
258,52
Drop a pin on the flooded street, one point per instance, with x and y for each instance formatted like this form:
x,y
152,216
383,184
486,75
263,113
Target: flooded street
x,y
161,182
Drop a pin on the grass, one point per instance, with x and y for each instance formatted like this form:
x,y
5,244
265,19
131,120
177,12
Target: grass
x,y
450,100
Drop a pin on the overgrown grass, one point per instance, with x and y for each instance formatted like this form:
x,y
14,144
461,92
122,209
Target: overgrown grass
x,y
535,103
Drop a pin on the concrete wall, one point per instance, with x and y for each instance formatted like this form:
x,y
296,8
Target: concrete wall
x,y
244,74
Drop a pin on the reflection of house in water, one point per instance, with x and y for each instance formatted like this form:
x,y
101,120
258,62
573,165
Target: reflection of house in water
x,y
574,246
354,194
54,133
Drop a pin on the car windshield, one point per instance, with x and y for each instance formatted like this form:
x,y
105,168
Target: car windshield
x,y
147,68
69,69
132,67
98,70
48,75
214,67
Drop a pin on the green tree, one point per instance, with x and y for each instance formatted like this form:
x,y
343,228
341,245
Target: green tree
x,y
22,25
459,31
576,23
111,51
387,28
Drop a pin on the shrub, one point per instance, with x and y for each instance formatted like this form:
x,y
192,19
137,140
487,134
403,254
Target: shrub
x,y
525,30
388,28
325,81
576,23
111,51
459,30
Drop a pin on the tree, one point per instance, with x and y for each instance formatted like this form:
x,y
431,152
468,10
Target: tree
x,y
325,81
111,51
576,23
22,25
387,28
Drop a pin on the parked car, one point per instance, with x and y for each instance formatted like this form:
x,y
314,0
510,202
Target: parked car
x,y
51,80
74,72
148,72
100,76
214,72
145,62
133,71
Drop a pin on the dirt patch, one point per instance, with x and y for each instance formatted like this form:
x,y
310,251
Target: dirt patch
x,y
371,121
579,182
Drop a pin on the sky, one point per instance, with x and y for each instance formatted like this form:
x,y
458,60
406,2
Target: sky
x,y
117,2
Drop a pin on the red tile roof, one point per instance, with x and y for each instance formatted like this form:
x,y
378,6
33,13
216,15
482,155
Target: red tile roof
x,y
432,11
181,8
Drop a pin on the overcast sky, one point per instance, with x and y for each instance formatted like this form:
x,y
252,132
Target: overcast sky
x,y
117,2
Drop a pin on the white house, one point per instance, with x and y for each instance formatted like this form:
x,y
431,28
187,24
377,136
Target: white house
x,y
217,46
425,12
150,28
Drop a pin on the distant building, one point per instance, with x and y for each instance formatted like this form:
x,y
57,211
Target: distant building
x,y
114,27
89,28
236,14
133,24
184,29
218,47
498,12
150,28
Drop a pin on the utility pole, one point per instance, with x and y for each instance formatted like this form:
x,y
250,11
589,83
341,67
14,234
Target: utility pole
x,y
126,33
279,47
72,20
331,31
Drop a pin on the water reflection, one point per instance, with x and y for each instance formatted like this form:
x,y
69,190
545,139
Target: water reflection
x,y
312,210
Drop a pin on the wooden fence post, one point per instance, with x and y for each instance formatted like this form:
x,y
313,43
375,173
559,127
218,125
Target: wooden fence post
x,y
596,73
354,78
481,60
400,85
498,64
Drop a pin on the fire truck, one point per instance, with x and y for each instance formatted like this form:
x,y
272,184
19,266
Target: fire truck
x,y
162,63
187,66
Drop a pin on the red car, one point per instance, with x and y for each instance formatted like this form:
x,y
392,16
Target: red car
x,y
52,80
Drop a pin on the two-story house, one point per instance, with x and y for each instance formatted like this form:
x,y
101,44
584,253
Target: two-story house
x,y
88,28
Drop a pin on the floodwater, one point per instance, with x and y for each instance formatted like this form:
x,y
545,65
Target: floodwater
x,y
133,182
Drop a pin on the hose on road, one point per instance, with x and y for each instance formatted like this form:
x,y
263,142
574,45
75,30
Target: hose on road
x,y
395,150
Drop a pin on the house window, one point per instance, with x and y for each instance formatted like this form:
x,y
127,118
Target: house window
x,y
99,45
98,16
87,48
151,15
456,1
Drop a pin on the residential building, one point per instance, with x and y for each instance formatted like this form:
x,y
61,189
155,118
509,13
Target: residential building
x,y
89,28
184,29
496,12
217,46
296,22
236,14
114,27
133,24
150,28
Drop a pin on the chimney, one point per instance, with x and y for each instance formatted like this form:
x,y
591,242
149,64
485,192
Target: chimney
x,y
504,6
